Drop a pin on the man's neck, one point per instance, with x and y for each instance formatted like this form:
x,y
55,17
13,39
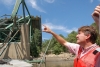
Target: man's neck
x,y
86,45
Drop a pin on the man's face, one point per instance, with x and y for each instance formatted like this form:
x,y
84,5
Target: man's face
x,y
81,38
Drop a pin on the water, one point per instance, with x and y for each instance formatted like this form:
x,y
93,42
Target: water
x,y
56,62
50,62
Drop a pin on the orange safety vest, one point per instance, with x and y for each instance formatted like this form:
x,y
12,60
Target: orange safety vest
x,y
88,60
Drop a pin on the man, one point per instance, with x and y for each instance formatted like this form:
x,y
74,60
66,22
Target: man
x,y
87,52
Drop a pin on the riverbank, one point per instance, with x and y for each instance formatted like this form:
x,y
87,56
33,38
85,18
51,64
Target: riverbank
x,y
67,56
62,56
52,60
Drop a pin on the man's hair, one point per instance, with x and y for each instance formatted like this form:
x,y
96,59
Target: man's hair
x,y
89,30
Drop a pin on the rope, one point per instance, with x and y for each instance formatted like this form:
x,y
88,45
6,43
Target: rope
x,y
43,57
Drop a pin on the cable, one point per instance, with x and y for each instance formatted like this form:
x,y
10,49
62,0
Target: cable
x,y
43,57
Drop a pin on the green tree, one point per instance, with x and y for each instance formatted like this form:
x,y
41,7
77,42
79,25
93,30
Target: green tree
x,y
98,38
72,37
35,44
44,46
57,49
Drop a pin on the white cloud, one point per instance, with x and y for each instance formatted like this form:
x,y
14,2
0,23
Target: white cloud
x,y
44,38
8,2
59,27
49,1
33,3
35,6
91,1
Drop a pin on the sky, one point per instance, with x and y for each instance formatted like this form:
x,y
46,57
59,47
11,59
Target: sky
x,y
61,16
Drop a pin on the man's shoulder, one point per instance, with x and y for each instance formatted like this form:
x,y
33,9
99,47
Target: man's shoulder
x,y
96,51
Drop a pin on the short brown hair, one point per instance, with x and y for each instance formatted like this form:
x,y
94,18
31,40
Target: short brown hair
x,y
89,30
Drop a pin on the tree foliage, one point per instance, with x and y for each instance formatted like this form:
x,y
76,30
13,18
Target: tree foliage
x,y
98,38
35,44
55,47
72,37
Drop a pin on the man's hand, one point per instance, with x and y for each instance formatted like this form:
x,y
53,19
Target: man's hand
x,y
96,14
46,29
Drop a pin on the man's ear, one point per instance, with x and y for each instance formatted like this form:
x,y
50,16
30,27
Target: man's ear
x,y
88,36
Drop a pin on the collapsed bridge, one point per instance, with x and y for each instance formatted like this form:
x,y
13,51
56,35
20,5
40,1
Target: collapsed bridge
x,y
17,32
